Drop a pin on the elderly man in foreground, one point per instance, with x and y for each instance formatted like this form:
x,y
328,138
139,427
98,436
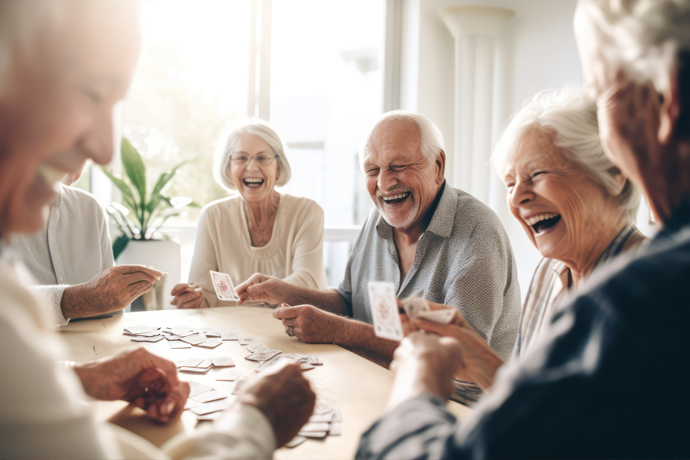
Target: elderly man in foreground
x,y
429,239
71,259
608,378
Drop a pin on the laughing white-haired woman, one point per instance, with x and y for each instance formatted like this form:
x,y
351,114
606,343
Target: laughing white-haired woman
x,y
259,230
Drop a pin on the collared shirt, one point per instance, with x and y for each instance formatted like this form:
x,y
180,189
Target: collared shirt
x,y
73,247
608,378
463,260
551,281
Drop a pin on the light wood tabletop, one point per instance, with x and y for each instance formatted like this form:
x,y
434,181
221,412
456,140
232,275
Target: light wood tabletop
x,y
358,387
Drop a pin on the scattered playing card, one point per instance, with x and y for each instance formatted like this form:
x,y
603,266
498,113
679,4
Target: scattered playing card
x,y
179,344
194,370
190,362
205,364
223,361
238,385
262,356
312,434
296,441
209,396
229,336
255,347
144,334
323,408
195,339
146,339
212,334
314,361
139,329
384,309
270,362
212,343
316,427
247,340
229,375
222,283
196,388
209,417
191,403
335,429
307,367
337,416
207,408
325,418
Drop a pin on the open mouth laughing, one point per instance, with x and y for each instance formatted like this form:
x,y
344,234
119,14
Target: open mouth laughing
x,y
543,222
394,199
253,182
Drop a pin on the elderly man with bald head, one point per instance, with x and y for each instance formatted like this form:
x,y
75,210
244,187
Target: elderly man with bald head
x,y
427,238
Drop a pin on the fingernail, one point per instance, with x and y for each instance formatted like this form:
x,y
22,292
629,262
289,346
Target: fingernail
x,y
169,407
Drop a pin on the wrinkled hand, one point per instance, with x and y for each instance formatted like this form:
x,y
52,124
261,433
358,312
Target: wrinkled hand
x,y
139,377
424,363
115,288
263,287
284,396
310,324
187,295
629,115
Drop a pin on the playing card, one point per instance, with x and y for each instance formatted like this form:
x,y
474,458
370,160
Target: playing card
x,y
179,344
209,396
255,347
196,388
194,339
314,361
322,408
307,367
238,385
335,429
311,434
209,417
212,343
139,329
212,334
229,336
337,416
316,427
296,441
222,283
144,334
325,418
207,408
191,403
270,362
147,339
384,309
229,375
194,370
190,362
414,306
443,316
205,364
223,361
262,356
247,340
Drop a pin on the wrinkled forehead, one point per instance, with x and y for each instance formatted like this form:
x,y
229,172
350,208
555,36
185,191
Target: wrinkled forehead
x,y
394,141
535,149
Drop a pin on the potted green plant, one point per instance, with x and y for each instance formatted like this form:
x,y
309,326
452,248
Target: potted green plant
x,y
141,215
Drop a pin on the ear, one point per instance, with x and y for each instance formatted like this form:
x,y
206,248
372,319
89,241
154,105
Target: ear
x,y
669,110
440,167
620,181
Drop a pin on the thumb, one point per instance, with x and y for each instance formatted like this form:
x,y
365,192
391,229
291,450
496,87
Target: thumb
x,y
432,326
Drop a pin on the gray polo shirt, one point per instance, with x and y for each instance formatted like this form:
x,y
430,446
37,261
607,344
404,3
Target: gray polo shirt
x,y
463,260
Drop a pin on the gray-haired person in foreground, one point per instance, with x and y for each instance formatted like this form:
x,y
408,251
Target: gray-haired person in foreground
x,y
608,377
426,237
63,66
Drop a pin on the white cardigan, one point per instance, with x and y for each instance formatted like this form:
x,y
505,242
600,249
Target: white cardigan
x,y
294,253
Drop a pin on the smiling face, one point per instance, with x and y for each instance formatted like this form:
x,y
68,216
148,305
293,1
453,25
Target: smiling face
x,y
255,182
401,182
564,212
56,105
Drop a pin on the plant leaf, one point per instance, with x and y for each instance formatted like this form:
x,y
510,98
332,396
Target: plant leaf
x,y
135,169
124,188
165,178
119,245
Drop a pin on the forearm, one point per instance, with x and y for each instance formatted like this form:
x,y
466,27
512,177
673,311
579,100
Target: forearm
x,y
74,303
358,335
327,300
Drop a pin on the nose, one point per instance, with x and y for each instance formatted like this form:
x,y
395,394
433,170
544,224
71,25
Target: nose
x,y
386,180
253,164
522,193
98,142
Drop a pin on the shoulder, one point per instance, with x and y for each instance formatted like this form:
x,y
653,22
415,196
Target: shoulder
x,y
476,224
79,200
470,209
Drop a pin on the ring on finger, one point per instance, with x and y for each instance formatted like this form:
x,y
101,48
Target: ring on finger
x,y
289,331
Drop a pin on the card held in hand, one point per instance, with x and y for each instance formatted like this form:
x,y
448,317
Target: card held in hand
x,y
222,283
384,309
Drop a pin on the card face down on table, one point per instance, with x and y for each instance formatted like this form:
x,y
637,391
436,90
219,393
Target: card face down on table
x,y
384,308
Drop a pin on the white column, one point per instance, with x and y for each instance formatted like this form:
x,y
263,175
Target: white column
x,y
474,29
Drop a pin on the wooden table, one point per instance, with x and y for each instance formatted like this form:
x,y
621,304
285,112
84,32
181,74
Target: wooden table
x,y
357,386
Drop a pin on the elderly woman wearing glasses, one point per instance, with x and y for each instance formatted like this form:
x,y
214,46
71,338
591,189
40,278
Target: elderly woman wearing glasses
x,y
258,230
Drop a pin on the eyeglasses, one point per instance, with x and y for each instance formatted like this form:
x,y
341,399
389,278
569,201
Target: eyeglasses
x,y
242,159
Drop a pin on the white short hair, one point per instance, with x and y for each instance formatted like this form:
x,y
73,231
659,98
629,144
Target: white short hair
x,y
641,36
431,138
571,114
226,146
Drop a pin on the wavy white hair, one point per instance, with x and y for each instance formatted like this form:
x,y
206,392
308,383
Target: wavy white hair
x,y
642,36
226,146
431,138
571,114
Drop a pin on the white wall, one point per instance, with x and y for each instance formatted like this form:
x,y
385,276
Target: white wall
x,y
536,51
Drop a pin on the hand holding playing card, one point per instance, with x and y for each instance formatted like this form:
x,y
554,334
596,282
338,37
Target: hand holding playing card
x,y
187,295
284,396
139,377
310,324
266,288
